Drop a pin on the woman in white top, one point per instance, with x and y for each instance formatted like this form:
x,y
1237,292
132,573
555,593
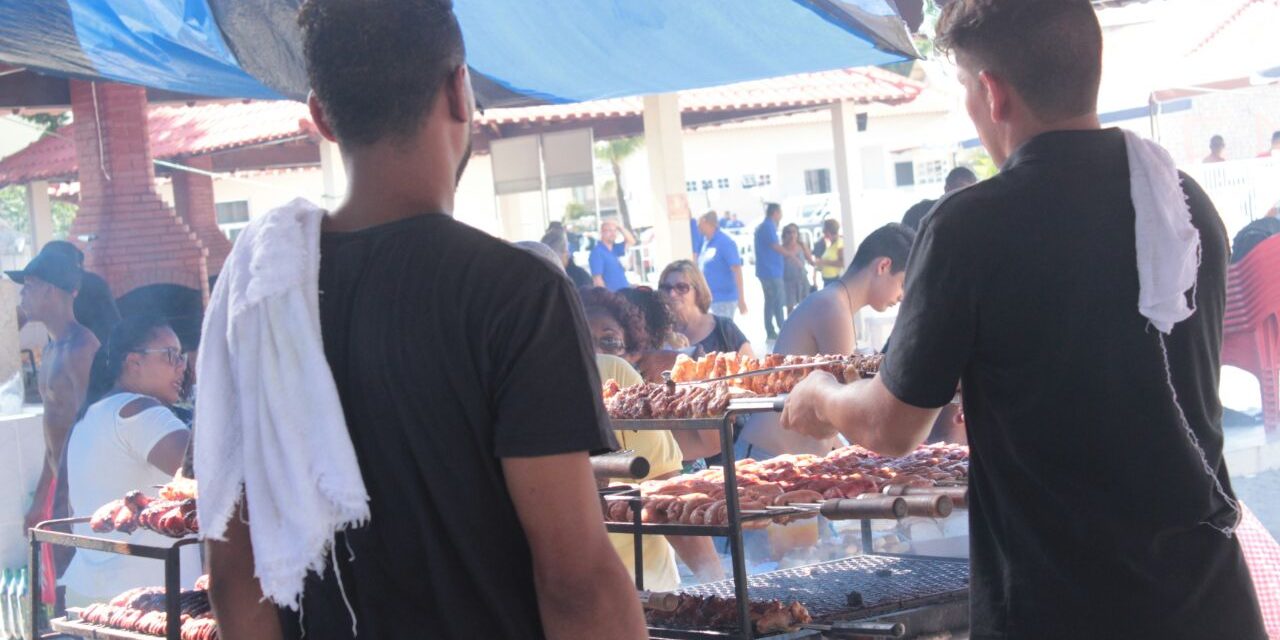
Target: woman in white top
x,y
126,439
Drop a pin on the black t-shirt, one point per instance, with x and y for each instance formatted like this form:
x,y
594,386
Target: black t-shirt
x,y
578,275
725,338
450,350
916,213
1086,496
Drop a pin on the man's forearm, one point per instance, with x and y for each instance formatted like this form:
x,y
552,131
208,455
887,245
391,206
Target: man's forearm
x,y
700,554
605,606
737,282
867,414
234,592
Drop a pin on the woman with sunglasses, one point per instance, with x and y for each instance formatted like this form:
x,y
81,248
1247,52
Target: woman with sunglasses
x,y
618,331
127,438
690,300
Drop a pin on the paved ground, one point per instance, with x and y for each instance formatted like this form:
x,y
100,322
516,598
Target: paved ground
x,y
1262,494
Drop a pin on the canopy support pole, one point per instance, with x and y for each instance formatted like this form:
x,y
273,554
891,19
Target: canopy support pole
x,y
39,214
664,144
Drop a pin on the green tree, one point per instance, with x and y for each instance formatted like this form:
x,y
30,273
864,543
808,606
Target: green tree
x,y
614,152
13,212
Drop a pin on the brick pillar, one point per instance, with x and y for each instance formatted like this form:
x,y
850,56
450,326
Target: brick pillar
x,y
193,199
136,239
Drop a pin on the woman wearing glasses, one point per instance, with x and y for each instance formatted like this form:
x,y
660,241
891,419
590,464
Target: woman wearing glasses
x,y
127,438
690,300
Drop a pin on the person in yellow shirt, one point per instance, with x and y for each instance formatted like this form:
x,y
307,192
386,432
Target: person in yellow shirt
x,y
616,326
831,262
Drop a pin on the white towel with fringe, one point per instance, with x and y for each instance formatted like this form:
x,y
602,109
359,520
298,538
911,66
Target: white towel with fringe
x,y
1168,250
269,421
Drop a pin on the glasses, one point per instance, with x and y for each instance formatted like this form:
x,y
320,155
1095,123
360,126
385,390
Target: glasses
x,y
681,288
175,357
612,345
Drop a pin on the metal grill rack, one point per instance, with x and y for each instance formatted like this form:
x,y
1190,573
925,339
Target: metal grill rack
x,y
885,582
43,535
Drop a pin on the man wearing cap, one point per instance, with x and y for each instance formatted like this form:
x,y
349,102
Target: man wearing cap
x,y
49,286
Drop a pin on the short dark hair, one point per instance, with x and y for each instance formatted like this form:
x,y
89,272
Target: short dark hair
x,y
600,300
1050,51
556,239
892,241
772,207
959,178
1217,142
376,65
831,225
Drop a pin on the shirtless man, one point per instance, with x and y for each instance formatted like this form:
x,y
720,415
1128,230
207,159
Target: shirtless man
x,y
823,324
49,286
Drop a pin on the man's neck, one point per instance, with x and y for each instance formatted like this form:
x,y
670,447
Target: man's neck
x,y
387,185
60,326
1023,132
857,290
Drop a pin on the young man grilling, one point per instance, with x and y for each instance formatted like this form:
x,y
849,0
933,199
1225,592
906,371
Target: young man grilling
x,y
463,371
1065,294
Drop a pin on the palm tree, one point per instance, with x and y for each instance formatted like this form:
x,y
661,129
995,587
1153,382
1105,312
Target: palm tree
x,y
615,151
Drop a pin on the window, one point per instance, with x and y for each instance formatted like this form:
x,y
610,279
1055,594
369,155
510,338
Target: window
x,y
904,173
748,182
232,217
764,180
722,183
931,171
706,185
817,181
232,212
691,185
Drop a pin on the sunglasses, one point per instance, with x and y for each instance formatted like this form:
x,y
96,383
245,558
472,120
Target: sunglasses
x,y
175,357
681,288
611,345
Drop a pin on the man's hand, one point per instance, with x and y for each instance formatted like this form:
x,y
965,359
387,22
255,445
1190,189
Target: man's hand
x,y
803,412
742,306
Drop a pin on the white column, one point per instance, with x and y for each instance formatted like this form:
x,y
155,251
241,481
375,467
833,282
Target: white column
x,y
333,175
39,214
844,130
664,143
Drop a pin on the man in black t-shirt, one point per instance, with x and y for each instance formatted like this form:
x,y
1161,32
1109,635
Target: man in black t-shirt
x,y
464,372
1100,504
959,178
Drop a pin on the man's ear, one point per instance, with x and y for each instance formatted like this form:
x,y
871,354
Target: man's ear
x,y
319,118
999,95
458,93
884,266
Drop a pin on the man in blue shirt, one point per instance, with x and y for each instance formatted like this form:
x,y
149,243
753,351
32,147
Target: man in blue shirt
x,y
721,264
606,257
769,268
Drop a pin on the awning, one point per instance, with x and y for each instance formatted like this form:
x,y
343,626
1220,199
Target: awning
x,y
521,53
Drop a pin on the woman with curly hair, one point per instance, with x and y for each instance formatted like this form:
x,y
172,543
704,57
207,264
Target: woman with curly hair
x,y
617,326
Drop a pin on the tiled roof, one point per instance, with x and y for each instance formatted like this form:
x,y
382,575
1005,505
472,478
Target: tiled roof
x,y
864,85
176,131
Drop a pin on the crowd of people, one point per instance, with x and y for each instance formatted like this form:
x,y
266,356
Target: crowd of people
x,y
395,416
113,390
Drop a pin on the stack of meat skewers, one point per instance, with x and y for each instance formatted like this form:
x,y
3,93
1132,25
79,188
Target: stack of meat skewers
x,y
173,514
703,388
143,611
849,472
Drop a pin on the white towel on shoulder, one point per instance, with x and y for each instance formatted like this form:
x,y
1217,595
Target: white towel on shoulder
x,y
268,418
1168,244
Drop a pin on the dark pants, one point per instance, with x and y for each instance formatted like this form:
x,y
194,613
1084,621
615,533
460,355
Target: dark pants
x,y
774,297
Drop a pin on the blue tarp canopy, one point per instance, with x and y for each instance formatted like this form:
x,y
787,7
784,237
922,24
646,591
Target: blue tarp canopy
x,y
521,51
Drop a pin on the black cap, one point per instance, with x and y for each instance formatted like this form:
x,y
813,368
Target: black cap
x,y
59,263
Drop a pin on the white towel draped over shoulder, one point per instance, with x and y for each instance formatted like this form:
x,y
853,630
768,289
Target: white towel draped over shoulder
x,y
1168,245
269,419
